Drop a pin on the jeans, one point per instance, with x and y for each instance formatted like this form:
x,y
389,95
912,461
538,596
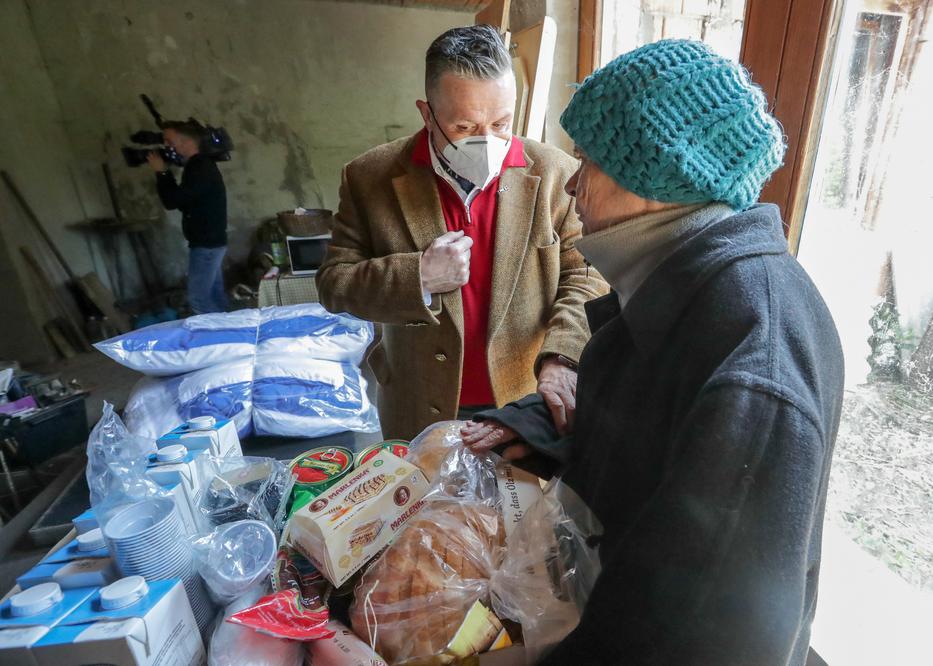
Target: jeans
x,y
206,279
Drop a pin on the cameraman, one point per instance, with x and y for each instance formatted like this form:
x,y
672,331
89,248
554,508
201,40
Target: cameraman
x,y
202,199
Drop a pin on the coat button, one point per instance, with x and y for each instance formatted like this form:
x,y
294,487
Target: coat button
x,y
441,357
435,411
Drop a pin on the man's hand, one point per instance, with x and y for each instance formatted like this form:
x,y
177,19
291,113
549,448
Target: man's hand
x,y
155,161
557,384
481,437
445,266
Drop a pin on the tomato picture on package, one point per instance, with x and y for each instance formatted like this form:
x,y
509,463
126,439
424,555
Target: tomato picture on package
x,y
396,447
320,468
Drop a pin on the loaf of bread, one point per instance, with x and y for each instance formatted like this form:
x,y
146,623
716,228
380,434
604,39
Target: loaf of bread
x,y
430,449
417,594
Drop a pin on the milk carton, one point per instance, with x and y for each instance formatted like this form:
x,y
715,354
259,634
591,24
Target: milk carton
x,y
128,623
90,544
91,572
86,522
341,529
27,617
204,432
176,463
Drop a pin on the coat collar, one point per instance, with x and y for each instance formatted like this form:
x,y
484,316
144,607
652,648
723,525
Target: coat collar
x,y
666,293
416,189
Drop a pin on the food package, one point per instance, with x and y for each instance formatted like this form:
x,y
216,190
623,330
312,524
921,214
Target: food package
x,y
236,645
346,526
344,648
414,599
453,471
242,488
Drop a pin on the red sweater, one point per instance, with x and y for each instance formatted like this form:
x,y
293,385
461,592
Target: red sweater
x,y
476,387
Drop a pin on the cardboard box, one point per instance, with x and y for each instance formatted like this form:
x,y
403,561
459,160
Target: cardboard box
x,y
157,630
221,439
352,521
19,635
186,471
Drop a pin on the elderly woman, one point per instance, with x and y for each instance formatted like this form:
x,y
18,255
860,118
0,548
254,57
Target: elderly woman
x,y
709,394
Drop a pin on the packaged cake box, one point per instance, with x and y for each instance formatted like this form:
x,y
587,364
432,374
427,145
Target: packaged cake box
x,y
353,520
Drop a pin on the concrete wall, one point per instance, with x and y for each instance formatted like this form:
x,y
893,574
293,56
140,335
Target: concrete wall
x,y
303,86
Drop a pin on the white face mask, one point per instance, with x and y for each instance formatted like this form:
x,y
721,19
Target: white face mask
x,y
477,158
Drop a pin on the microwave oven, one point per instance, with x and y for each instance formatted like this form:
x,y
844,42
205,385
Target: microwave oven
x,y
306,253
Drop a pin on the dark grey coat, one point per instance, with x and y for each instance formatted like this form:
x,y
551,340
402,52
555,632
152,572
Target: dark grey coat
x,y
707,412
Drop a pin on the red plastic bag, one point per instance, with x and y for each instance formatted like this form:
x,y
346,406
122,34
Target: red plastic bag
x,y
283,615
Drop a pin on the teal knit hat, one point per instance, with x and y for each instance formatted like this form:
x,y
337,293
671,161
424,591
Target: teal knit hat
x,y
674,122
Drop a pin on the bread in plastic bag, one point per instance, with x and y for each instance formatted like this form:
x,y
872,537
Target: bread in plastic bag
x,y
454,471
411,601
550,564
236,645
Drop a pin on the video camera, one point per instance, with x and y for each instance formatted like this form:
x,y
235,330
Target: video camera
x,y
215,141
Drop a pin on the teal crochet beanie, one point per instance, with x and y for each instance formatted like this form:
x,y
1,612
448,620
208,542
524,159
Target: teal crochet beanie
x,y
674,122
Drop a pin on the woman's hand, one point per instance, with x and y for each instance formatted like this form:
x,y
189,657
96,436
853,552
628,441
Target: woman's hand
x,y
481,437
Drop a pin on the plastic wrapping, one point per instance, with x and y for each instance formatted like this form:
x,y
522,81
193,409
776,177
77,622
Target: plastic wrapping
x,y
548,570
453,471
410,603
235,558
159,405
271,394
116,467
242,488
297,396
235,645
203,341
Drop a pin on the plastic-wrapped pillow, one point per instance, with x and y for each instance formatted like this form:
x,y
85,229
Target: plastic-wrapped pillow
x,y
185,345
310,330
159,405
303,397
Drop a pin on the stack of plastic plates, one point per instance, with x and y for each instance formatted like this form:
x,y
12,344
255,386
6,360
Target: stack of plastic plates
x,y
147,539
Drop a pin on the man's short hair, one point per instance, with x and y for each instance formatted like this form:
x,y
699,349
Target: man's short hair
x,y
192,130
473,52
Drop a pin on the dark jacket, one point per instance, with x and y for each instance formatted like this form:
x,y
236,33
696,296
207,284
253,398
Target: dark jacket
x,y
201,198
706,416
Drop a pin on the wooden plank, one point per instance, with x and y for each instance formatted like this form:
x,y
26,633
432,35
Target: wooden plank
x,y
589,32
55,329
69,327
103,300
31,216
496,14
535,46
763,41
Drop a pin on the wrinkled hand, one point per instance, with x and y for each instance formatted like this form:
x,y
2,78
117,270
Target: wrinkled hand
x,y
155,161
481,437
557,384
445,266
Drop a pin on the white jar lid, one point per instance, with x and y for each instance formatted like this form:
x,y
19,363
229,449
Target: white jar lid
x,y
124,592
201,422
172,453
35,600
91,540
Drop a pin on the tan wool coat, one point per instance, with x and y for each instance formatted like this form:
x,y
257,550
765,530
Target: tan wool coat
x,y
390,212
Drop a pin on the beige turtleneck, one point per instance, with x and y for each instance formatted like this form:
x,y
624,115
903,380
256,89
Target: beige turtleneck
x,y
627,253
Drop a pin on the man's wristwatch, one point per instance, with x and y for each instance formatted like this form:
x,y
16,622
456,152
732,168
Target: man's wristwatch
x,y
564,361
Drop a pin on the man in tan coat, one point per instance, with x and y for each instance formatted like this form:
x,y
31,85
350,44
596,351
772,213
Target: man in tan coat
x,y
459,240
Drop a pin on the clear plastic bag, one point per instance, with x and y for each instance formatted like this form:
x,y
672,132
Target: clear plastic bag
x,y
453,471
410,603
236,645
116,467
235,558
242,488
550,565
